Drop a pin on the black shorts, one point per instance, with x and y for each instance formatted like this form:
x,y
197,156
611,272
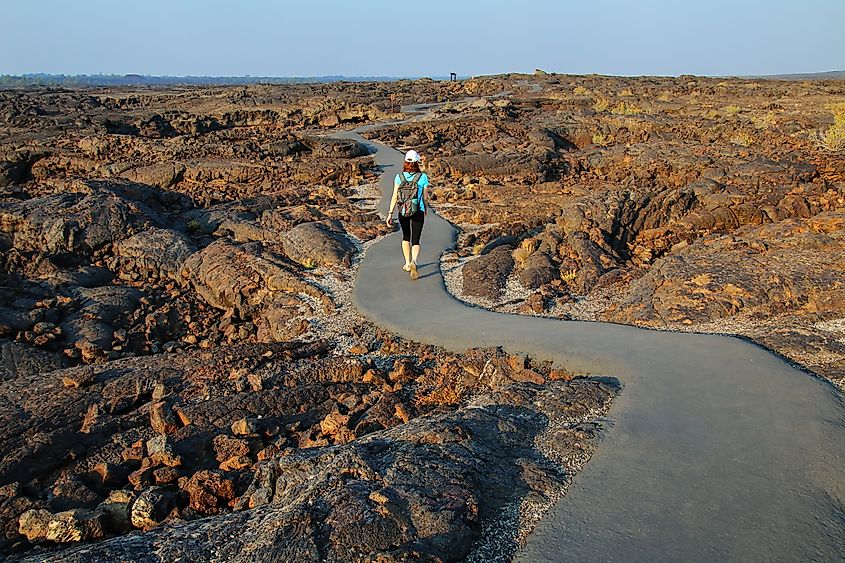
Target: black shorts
x,y
412,227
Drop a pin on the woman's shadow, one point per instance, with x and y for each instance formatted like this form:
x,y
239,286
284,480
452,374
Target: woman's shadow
x,y
434,271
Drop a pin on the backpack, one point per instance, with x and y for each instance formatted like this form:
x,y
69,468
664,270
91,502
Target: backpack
x,y
409,202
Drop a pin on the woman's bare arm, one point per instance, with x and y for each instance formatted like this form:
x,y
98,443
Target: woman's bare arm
x,y
389,218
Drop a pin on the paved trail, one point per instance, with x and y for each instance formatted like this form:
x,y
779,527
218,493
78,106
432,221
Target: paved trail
x,y
719,451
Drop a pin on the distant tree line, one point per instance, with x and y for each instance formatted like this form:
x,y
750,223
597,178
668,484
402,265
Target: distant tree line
x,y
81,80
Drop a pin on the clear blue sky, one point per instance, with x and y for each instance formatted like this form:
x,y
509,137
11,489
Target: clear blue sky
x,y
364,38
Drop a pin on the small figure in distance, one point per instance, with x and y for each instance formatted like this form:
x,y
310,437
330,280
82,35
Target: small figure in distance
x,y
410,192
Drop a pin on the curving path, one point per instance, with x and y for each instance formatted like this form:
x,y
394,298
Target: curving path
x,y
719,450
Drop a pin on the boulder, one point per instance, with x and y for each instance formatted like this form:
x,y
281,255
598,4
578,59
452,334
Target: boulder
x,y
160,449
17,359
487,275
163,420
118,510
313,244
100,308
76,525
157,253
246,426
160,175
74,223
63,527
227,447
325,147
33,524
256,285
208,490
538,270
151,507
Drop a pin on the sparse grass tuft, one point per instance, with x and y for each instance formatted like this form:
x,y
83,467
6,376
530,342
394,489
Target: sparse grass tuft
x,y
763,121
834,138
626,108
309,264
570,275
601,140
580,90
601,105
742,139
524,250
193,226
477,248
731,110
665,96
626,93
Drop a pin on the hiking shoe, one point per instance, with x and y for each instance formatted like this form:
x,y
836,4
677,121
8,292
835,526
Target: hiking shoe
x,y
414,273
407,267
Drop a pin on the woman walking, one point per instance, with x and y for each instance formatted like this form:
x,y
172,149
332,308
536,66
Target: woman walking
x,y
410,191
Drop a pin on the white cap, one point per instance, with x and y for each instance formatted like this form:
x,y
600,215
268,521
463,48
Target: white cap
x,y
412,156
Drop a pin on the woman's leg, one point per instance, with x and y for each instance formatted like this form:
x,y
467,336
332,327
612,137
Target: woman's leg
x,y
406,250
405,223
417,222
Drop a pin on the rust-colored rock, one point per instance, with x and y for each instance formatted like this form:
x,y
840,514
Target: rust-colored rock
x,y
209,491
162,418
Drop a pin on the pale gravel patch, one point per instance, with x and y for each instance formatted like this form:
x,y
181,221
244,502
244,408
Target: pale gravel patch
x,y
339,284
835,327
587,308
581,308
503,536
592,308
452,267
532,511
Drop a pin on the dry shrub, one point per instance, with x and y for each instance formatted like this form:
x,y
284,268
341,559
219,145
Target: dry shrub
x,y
526,248
834,138
742,139
601,105
626,108
763,121
570,275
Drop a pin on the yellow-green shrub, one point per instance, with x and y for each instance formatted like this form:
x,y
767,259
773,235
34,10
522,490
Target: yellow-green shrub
x,y
524,250
763,121
626,108
834,138
569,275
742,139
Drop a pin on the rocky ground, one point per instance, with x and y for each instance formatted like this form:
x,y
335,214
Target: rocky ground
x,y
692,204
182,374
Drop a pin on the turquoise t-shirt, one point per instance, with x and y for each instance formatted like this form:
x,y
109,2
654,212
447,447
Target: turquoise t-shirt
x,y
421,185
